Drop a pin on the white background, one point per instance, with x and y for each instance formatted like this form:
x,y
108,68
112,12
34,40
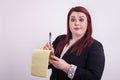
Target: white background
x,y
25,24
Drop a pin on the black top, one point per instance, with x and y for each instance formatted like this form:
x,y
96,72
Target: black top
x,y
90,64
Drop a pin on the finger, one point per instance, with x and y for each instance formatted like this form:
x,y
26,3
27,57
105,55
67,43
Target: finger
x,y
46,47
52,51
54,58
50,46
52,61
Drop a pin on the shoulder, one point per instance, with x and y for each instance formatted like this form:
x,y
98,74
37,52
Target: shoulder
x,y
60,37
97,48
96,43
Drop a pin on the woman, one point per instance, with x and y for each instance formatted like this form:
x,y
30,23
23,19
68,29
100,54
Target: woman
x,y
78,56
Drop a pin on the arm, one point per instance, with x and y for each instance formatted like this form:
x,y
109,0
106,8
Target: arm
x,y
94,64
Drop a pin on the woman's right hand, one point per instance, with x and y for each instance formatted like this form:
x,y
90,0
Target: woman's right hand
x,y
47,47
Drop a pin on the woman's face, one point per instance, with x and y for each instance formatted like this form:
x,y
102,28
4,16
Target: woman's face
x,y
78,24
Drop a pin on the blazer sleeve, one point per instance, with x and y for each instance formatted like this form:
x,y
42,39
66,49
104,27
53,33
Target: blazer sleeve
x,y
94,64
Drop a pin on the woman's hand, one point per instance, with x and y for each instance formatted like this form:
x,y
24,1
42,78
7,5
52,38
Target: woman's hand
x,y
59,63
48,47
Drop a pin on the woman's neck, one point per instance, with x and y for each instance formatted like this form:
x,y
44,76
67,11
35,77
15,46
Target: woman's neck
x,y
75,38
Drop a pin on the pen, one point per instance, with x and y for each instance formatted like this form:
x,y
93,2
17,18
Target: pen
x,y
50,38
50,35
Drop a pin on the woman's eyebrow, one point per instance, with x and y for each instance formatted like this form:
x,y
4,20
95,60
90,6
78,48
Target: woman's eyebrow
x,y
81,16
72,16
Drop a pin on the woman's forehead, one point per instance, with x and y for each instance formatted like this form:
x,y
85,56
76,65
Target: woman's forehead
x,y
77,14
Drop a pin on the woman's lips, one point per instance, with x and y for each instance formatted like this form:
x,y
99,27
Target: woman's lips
x,y
76,28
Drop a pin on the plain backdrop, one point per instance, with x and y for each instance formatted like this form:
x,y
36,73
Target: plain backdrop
x,y
25,24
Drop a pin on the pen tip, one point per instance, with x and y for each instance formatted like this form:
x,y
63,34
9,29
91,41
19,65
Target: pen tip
x,y
49,33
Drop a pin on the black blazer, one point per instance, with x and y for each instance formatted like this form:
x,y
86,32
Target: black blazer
x,y
90,64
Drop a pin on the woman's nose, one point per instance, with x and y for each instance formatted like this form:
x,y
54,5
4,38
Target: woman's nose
x,y
77,22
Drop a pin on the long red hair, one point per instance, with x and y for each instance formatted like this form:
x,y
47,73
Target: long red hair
x,y
86,40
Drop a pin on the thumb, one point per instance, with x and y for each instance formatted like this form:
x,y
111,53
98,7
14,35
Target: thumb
x,y
54,58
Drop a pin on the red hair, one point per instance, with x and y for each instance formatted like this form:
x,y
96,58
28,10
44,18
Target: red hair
x,y
86,40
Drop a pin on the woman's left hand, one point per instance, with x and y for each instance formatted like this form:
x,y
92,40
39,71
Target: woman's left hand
x,y
59,63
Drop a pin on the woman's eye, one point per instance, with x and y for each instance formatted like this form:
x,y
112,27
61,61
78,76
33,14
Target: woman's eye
x,y
81,20
73,20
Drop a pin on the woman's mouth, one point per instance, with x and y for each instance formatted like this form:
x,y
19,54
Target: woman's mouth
x,y
76,29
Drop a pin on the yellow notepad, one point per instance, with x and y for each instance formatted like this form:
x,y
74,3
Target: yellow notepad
x,y
40,61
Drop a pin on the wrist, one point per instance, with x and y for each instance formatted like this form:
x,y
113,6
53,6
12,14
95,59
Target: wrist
x,y
66,68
